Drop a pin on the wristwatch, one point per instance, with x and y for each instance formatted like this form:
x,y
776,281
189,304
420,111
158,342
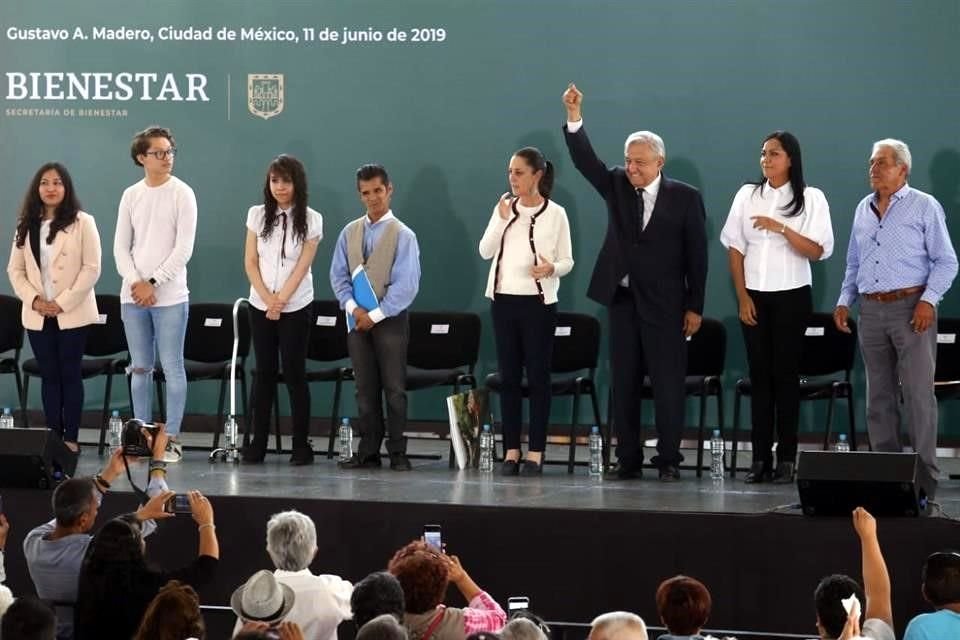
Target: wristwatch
x,y
152,281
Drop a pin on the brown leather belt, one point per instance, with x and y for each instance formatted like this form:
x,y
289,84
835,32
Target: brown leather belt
x,y
896,294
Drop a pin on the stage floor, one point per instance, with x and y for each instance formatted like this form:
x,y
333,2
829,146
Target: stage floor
x,y
432,482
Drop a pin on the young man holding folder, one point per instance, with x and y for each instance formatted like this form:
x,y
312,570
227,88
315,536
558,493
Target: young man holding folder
x,y
380,250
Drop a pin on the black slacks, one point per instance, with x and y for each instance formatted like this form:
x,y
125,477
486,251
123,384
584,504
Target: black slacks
x,y
523,327
283,343
639,348
774,348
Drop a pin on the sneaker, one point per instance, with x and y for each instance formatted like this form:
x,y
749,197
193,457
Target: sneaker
x,y
174,451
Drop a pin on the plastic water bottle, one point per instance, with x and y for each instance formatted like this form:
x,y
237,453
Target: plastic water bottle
x,y
115,429
842,445
596,452
716,456
485,462
6,421
345,435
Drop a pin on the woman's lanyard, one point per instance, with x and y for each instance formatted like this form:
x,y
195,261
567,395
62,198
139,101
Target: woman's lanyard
x,y
533,246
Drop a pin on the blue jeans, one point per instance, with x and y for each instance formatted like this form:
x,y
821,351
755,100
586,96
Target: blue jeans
x,y
152,330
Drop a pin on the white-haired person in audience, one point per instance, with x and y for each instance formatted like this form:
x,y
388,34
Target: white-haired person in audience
x,y
377,594
941,588
833,620
618,625
322,601
424,574
523,628
54,551
28,618
383,627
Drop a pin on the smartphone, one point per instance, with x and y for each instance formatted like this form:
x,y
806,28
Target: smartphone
x,y
431,535
518,603
179,503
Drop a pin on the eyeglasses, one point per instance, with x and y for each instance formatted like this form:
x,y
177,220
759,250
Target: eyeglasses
x,y
162,154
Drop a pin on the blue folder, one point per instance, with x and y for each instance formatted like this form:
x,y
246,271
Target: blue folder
x,y
363,295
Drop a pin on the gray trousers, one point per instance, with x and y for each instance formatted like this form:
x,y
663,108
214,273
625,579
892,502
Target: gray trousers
x,y
899,361
379,359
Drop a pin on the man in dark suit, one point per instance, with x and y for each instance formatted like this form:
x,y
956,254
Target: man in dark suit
x,y
650,274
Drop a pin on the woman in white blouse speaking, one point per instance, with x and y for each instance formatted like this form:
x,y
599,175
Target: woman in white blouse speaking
x,y
54,264
528,241
776,226
282,238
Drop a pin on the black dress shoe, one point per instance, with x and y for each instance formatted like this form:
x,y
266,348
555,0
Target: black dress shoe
x,y
253,455
531,468
400,462
669,473
621,471
785,473
356,462
759,472
510,468
301,456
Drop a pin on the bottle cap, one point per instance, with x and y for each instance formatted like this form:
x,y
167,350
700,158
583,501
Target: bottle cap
x,y
595,429
716,433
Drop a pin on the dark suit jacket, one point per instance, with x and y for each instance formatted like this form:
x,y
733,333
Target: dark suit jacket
x,y
668,266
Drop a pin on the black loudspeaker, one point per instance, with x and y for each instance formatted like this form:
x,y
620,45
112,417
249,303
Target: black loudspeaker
x,y
833,483
34,459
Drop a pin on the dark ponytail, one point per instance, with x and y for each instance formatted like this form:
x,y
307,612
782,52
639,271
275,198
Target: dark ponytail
x,y
534,158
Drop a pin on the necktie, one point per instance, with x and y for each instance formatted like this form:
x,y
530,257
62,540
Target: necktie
x,y
639,213
283,238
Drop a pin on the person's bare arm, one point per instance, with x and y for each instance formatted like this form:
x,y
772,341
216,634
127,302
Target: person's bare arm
x,y
876,580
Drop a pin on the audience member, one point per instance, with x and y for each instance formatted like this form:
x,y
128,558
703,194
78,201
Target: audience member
x,y
28,618
173,615
264,631
6,599
262,598
322,601
378,593
116,585
522,628
54,551
941,588
833,621
424,574
618,625
4,531
683,605
383,627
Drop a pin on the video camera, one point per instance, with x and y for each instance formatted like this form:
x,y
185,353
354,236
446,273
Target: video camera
x,y
135,442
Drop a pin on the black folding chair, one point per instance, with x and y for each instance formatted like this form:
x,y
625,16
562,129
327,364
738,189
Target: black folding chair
x,y
825,367
11,339
443,351
576,349
946,379
208,351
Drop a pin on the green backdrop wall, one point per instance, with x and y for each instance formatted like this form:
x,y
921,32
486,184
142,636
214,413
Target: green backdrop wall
x,y
444,113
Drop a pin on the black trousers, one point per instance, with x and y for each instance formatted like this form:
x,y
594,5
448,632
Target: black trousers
x,y
774,347
638,349
523,327
379,358
59,353
283,343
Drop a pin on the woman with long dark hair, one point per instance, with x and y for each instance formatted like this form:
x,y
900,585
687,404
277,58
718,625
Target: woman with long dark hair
x,y
54,264
282,238
528,242
775,228
116,584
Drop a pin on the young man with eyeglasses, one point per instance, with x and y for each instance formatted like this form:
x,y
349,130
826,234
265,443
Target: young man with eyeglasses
x,y
156,227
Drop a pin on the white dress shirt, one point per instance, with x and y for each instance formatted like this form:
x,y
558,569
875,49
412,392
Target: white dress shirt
x,y
770,263
277,256
46,255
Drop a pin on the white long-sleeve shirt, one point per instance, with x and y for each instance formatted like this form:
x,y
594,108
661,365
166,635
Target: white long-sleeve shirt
x,y
551,237
156,228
